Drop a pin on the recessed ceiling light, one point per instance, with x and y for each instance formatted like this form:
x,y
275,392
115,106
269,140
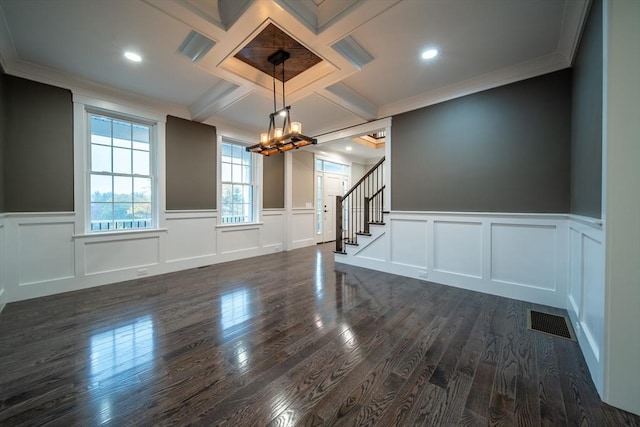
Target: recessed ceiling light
x,y
349,148
429,53
131,56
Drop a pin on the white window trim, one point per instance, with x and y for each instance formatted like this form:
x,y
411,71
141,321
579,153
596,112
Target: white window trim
x,y
83,106
256,177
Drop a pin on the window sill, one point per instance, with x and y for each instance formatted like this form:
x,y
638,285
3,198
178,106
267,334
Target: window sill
x,y
240,225
123,233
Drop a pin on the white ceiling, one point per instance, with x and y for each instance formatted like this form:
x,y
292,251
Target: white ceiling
x,y
482,43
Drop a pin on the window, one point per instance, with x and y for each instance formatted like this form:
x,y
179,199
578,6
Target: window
x,y
121,179
237,179
332,167
319,204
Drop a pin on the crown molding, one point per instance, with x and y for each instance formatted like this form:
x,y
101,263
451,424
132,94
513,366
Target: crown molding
x,y
575,15
542,65
92,89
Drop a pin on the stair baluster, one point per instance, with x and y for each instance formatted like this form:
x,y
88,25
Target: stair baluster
x,y
361,206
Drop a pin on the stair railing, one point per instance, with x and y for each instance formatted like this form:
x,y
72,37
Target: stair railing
x,y
361,206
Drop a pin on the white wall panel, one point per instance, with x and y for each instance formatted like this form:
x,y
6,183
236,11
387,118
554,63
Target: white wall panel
x,y
575,271
375,249
409,242
46,252
524,255
586,292
302,231
237,239
593,298
190,237
119,254
457,248
528,253
273,229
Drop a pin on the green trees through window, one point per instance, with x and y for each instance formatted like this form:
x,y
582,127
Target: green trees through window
x,y
237,184
121,195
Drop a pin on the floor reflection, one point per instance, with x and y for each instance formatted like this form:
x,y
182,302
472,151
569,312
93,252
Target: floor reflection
x,y
116,359
243,359
235,308
117,351
346,292
319,277
350,342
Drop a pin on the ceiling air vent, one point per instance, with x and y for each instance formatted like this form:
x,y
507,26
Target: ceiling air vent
x,y
349,48
195,46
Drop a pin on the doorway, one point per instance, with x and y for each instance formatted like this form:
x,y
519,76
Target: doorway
x,y
328,186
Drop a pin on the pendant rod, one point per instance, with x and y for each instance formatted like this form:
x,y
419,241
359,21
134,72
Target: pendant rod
x,y
273,77
284,104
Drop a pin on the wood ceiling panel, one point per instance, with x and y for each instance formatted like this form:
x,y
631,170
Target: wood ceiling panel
x,y
271,39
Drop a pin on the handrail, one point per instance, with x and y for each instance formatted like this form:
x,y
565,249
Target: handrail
x,y
377,192
374,167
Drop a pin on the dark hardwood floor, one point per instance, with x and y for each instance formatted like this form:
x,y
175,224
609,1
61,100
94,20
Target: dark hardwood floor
x,y
288,339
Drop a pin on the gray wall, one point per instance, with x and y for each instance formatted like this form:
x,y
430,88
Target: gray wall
x,y
586,132
303,180
273,182
191,165
2,137
38,147
502,150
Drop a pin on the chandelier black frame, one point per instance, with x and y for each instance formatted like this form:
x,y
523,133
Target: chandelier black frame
x,y
289,135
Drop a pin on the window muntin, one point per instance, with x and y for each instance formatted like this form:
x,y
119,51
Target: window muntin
x,y
332,167
238,188
121,181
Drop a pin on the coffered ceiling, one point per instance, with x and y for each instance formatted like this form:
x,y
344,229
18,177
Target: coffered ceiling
x,y
370,65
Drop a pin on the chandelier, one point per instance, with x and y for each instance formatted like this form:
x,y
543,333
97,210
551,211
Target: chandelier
x,y
288,135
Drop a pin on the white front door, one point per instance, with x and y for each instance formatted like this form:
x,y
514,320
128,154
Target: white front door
x,y
332,185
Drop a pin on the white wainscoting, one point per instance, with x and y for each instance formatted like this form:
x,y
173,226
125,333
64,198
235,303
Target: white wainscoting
x,y
586,292
414,255
374,248
191,238
38,254
522,256
121,253
457,248
302,231
273,230
44,253
42,260
239,238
